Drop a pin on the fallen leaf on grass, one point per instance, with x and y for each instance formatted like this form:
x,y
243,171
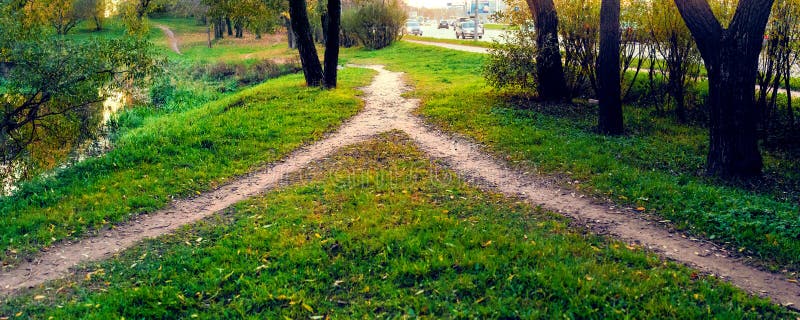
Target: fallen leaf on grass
x,y
486,244
38,297
640,209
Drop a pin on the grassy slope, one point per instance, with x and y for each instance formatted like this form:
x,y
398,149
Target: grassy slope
x,y
174,156
657,167
378,231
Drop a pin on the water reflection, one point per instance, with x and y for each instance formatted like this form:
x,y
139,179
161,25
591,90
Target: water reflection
x,y
11,173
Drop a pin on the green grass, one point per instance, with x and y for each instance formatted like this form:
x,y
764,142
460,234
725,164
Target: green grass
x,y
657,166
175,156
480,43
193,43
379,231
498,26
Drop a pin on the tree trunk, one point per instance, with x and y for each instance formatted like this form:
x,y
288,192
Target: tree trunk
x,y
218,28
228,24
731,58
610,114
549,71
312,69
788,81
332,42
239,27
290,35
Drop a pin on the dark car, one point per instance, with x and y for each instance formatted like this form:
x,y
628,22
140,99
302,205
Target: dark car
x,y
443,24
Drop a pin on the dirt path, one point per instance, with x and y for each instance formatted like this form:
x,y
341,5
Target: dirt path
x,y
387,110
173,41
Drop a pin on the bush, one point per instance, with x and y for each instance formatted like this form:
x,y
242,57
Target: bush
x,y
232,75
375,24
162,90
511,64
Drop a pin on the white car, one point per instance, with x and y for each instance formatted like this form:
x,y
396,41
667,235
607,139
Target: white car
x,y
467,29
412,27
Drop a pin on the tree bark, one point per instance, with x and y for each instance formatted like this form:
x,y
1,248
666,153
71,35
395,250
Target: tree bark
x,y
731,58
610,113
312,69
550,73
290,35
332,42
229,25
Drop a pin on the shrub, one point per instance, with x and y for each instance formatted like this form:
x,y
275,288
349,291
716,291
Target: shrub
x,y
511,64
221,71
162,90
374,23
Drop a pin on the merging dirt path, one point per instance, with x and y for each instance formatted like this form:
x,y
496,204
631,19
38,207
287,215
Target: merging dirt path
x,y
173,41
387,110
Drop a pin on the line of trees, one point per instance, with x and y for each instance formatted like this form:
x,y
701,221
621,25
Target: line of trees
x,y
671,43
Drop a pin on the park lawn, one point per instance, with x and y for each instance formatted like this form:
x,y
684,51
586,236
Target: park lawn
x,y
163,157
473,43
378,230
657,167
193,44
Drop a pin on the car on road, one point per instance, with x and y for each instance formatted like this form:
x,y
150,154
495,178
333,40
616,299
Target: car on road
x,y
467,29
413,27
443,25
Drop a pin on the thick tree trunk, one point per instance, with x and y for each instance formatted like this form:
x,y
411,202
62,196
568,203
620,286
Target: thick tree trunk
x,y
312,69
610,113
731,58
549,71
229,24
332,42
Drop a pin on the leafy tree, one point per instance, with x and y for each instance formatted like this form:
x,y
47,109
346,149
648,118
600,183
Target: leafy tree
x,y
51,85
375,23
731,58
672,40
579,32
63,14
775,65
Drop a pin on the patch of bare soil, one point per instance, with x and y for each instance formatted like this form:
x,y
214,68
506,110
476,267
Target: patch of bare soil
x,y
387,110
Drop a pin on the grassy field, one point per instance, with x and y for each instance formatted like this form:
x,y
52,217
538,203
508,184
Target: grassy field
x,y
175,156
380,231
657,167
